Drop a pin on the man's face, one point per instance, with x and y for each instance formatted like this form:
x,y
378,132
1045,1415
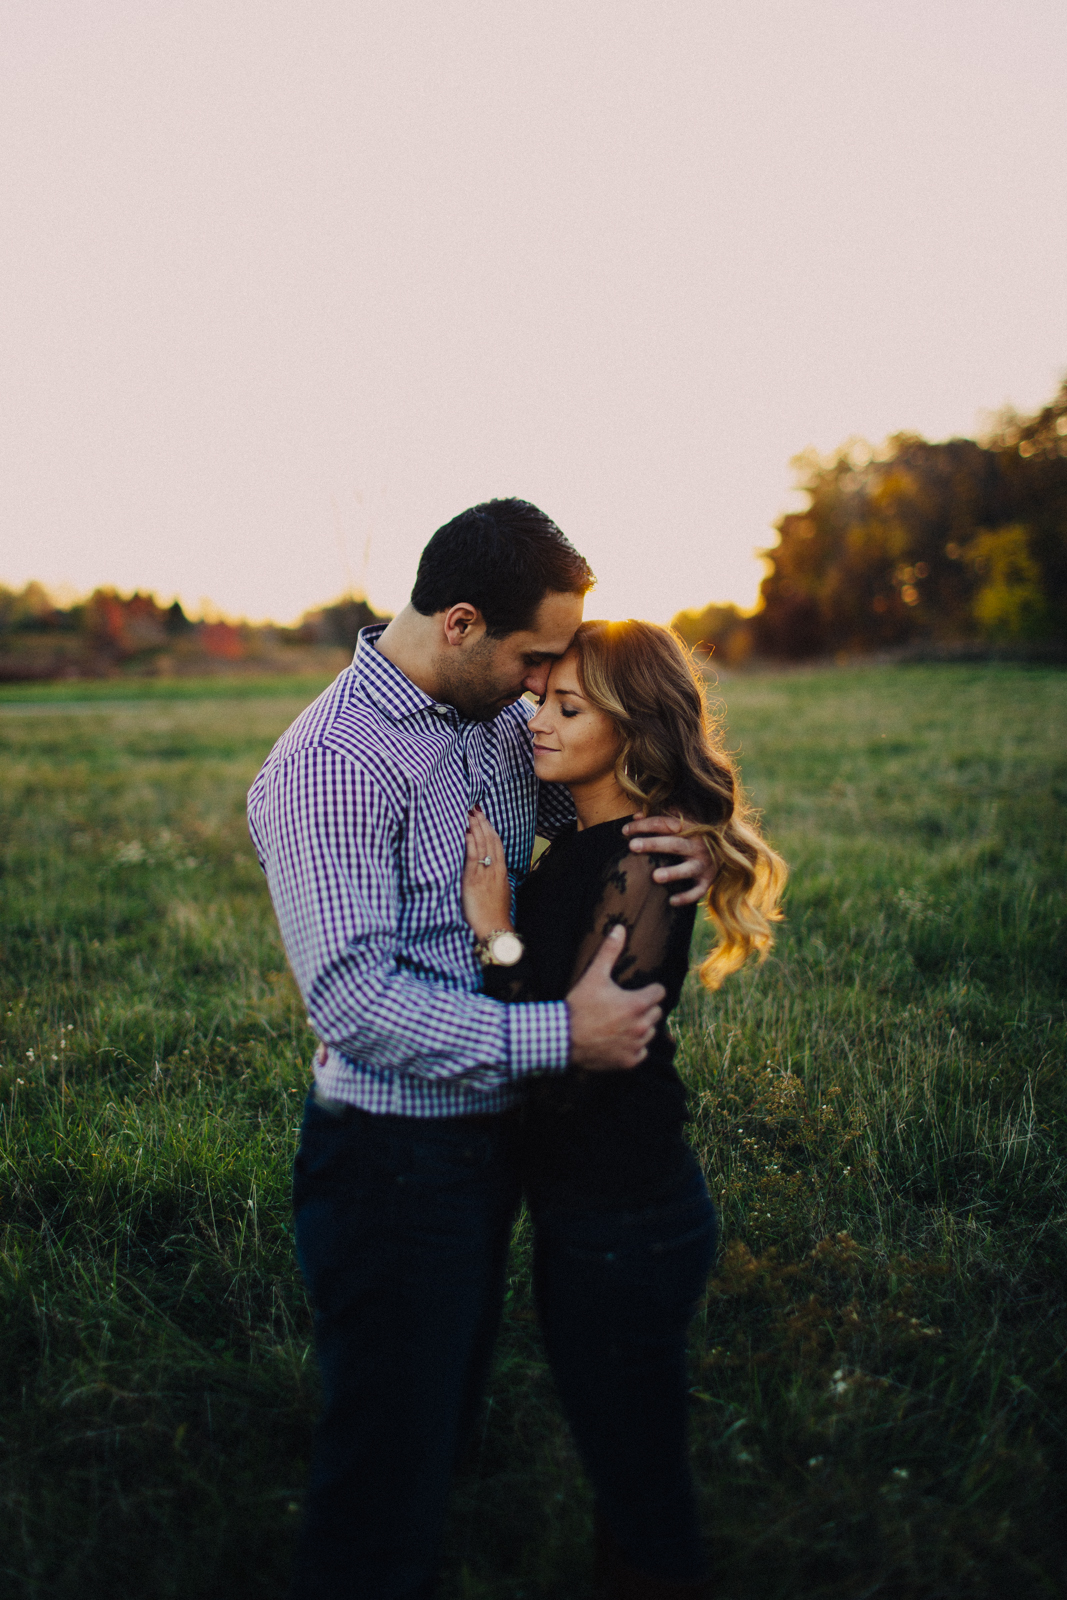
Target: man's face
x,y
488,674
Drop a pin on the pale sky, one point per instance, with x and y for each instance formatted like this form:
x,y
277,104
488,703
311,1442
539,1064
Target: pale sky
x,y
287,285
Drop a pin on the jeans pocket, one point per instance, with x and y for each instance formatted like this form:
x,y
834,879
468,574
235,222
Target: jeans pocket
x,y
326,1140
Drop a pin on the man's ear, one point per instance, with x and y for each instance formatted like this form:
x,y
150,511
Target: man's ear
x,y
462,624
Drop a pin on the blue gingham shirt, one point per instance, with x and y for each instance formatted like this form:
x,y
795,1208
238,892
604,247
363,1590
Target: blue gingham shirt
x,y
359,819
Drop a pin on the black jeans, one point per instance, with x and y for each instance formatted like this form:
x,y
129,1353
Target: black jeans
x,y
616,1291
402,1229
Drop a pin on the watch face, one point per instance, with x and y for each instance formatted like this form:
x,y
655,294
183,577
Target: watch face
x,y
506,949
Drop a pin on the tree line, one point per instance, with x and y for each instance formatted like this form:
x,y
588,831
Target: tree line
x,y
913,544
111,633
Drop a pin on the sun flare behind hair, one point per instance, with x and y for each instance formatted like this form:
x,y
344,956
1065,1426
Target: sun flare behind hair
x,y
671,758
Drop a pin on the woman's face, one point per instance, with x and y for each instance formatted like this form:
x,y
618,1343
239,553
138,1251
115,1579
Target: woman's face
x,y
574,741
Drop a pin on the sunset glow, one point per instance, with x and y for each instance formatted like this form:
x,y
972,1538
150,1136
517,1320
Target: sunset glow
x,y
286,287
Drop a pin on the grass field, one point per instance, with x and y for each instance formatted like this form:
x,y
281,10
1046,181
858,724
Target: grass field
x,y
878,1379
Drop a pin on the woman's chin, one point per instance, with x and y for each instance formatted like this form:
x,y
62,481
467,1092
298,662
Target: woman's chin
x,y
547,767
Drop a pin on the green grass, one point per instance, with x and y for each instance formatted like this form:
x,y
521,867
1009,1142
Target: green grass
x,y
84,692
878,1381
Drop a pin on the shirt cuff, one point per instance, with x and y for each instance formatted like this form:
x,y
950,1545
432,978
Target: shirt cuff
x,y
539,1038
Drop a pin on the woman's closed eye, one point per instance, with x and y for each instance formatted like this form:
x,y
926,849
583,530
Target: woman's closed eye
x,y
568,711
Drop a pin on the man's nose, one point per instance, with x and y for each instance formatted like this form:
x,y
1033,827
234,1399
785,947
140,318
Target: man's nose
x,y
536,680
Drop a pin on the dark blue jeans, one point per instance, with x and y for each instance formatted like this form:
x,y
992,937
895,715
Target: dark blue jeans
x,y
402,1229
616,1291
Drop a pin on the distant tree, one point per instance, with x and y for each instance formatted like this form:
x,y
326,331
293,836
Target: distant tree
x,y
951,541
26,609
339,623
1031,456
177,622
223,641
104,620
122,629
1010,604
724,631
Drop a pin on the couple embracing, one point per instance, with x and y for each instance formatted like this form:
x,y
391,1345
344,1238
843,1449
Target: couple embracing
x,y
491,1031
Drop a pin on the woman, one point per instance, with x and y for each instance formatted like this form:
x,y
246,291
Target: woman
x,y
624,1230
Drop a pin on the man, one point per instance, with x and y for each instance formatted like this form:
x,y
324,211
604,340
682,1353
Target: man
x,y
405,1185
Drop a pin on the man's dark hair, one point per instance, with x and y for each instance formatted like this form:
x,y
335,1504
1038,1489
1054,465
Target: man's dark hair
x,y
503,556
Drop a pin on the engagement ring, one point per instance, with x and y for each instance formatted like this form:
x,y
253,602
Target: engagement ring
x,y
487,861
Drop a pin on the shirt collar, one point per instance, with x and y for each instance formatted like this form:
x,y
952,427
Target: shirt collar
x,y
386,685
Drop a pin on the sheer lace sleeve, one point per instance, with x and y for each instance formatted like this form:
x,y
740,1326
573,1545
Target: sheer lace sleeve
x,y
630,896
620,891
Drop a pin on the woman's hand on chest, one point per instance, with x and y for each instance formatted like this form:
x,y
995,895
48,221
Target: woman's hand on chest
x,y
486,887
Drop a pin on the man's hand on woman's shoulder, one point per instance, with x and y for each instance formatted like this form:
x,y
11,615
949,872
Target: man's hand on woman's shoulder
x,y
663,836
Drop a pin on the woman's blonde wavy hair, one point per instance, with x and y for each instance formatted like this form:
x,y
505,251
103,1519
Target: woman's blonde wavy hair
x,y
671,759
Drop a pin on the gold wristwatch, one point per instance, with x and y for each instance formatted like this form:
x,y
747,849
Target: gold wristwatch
x,y
500,949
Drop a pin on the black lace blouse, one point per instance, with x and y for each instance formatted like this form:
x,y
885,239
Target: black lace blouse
x,y
610,1138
